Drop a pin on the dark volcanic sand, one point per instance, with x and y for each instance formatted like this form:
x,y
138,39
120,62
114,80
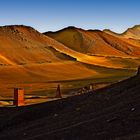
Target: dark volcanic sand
x,y
109,113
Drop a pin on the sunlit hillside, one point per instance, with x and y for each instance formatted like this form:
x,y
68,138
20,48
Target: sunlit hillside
x,y
94,42
73,57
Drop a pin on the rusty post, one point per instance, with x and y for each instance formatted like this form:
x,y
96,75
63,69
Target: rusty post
x,y
18,96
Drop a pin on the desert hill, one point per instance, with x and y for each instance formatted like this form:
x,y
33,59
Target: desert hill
x,y
38,62
27,56
73,58
131,35
28,46
94,42
22,45
102,114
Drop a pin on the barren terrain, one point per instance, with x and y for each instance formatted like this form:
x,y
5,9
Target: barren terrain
x,y
108,113
71,57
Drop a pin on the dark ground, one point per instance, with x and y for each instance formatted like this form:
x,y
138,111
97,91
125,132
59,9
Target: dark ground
x,y
109,113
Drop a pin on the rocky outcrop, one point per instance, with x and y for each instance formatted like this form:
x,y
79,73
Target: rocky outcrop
x,y
138,72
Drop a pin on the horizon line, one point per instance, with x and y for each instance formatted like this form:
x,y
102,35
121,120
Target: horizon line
x,y
70,26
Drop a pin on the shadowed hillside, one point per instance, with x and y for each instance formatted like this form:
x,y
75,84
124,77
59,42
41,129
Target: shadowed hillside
x,y
103,114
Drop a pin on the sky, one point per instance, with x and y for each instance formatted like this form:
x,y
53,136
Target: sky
x,y
53,15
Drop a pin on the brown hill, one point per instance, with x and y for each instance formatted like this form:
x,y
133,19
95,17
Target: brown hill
x,y
27,56
31,59
20,45
94,42
23,45
109,113
131,35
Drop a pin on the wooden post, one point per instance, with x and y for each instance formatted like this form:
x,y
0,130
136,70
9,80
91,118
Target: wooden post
x,y
18,96
58,92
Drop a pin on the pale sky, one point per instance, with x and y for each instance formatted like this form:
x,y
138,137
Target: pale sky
x,y
52,15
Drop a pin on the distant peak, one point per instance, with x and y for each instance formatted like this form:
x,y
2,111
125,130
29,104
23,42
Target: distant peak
x,y
18,28
96,30
64,29
15,26
133,32
71,27
107,30
133,28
